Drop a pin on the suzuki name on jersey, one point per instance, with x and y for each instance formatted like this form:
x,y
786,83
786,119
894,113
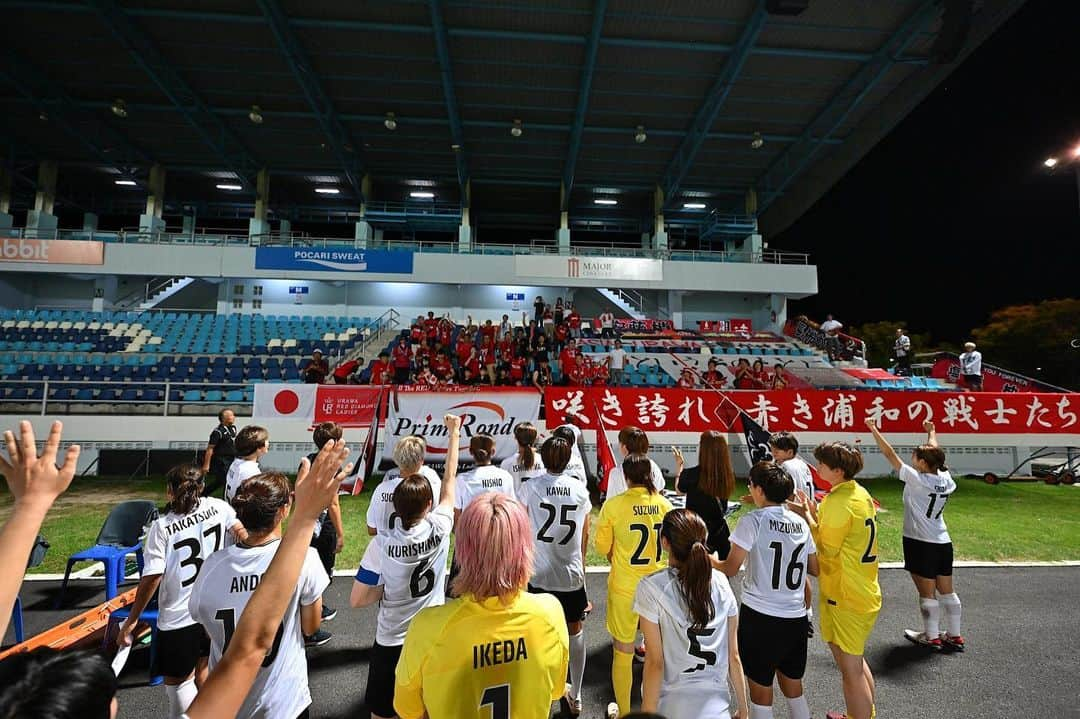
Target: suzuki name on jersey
x,y
776,525
493,653
645,510
191,520
406,551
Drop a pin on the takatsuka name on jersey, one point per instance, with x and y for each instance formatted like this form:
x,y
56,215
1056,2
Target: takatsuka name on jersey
x,y
191,520
405,551
493,653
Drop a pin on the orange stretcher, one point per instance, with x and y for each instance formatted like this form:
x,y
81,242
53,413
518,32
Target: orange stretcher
x,y
86,628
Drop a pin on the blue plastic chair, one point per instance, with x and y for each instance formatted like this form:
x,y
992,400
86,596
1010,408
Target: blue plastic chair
x,y
120,535
150,616
17,620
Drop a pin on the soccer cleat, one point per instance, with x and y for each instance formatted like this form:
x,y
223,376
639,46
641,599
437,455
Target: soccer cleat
x,y
568,706
612,711
956,643
317,639
639,654
328,613
921,638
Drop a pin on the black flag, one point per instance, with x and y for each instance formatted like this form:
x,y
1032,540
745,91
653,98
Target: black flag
x,y
757,440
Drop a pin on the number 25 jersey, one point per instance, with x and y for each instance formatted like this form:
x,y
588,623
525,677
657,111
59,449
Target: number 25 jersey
x,y
176,546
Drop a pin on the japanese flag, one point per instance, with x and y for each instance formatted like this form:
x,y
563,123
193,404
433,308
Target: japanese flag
x,y
287,401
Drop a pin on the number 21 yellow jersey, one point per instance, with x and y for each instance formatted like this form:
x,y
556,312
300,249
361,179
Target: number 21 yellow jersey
x,y
846,539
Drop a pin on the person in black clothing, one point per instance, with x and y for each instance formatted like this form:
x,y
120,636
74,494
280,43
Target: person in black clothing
x,y
708,486
317,368
538,309
329,535
220,452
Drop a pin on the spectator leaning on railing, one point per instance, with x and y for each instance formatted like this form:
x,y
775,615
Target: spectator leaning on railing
x,y
971,367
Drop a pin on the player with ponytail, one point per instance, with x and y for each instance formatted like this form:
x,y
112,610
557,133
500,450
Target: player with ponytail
x,y
483,477
527,463
177,544
689,599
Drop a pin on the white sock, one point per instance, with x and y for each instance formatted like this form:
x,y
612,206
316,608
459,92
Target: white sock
x,y
759,712
180,697
951,602
931,614
798,708
577,663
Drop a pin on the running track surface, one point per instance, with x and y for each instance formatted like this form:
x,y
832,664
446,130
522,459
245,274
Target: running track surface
x,y
1022,627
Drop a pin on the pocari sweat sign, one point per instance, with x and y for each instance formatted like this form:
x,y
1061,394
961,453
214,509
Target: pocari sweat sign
x,y
333,259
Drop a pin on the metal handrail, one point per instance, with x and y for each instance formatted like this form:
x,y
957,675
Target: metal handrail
x,y
237,238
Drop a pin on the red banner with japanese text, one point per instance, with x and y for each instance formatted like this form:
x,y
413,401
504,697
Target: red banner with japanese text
x,y
994,379
812,410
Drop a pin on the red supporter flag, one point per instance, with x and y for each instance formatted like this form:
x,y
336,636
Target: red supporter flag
x,y
605,458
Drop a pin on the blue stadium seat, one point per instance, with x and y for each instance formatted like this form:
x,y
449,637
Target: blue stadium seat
x,y
193,395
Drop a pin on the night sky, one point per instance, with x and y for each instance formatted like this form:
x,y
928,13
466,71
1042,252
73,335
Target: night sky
x,y
953,214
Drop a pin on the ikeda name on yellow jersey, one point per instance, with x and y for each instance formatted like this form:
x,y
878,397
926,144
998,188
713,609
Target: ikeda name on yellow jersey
x,y
846,538
629,529
483,659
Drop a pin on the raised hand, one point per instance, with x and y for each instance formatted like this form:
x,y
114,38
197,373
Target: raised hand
x,y
679,461
35,480
452,422
928,426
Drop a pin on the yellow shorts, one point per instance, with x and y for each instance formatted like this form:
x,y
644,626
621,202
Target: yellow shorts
x,y
846,629
622,621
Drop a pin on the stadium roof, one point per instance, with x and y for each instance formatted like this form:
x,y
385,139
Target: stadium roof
x,y
700,77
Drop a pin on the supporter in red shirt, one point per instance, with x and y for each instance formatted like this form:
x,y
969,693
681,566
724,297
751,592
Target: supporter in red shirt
x,y
573,319
600,374
431,327
424,376
442,367
464,347
402,356
518,366
506,347
762,380
744,377
577,375
568,358
416,331
345,370
562,332
779,379
446,332
472,364
686,380
487,356
380,369
713,377
423,352
489,330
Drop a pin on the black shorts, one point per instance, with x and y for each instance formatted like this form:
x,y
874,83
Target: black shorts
x,y
770,644
927,559
179,650
573,603
379,696
972,380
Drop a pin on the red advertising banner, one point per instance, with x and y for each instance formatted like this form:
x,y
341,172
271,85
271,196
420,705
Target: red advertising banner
x,y
624,324
947,367
348,405
52,252
733,326
811,410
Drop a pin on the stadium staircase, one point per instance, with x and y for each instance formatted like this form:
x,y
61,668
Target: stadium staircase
x,y
632,305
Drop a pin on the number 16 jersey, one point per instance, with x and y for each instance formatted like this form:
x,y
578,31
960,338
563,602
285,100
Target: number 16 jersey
x,y
778,543
176,546
410,566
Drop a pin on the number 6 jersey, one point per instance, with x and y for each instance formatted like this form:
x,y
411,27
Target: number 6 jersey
x,y
410,565
218,599
176,546
695,661
778,543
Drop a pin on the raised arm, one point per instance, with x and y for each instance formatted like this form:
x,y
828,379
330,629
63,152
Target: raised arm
x,y
449,483
228,685
35,483
931,434
883,444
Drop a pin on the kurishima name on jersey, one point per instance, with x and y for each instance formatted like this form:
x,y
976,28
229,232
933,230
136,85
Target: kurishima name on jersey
x,y
190,520
418,549
504,652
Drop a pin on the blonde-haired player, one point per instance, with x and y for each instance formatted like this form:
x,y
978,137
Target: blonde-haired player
x,y
628,534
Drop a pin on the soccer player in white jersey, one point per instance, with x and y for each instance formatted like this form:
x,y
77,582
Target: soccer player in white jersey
x,y
633,440
484,477
227,581
784,447
576,468
690,620
251,443
404,570
176,546
779,553
526,464
928,550
558,507
409,456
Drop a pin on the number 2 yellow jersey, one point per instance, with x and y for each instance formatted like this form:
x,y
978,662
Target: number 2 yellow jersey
x,y
846,538
484,660
629,530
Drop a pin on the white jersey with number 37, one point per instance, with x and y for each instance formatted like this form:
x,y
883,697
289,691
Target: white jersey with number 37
x,y
176,546
410,566
558,507
925,496
777,542
695,661
222,591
